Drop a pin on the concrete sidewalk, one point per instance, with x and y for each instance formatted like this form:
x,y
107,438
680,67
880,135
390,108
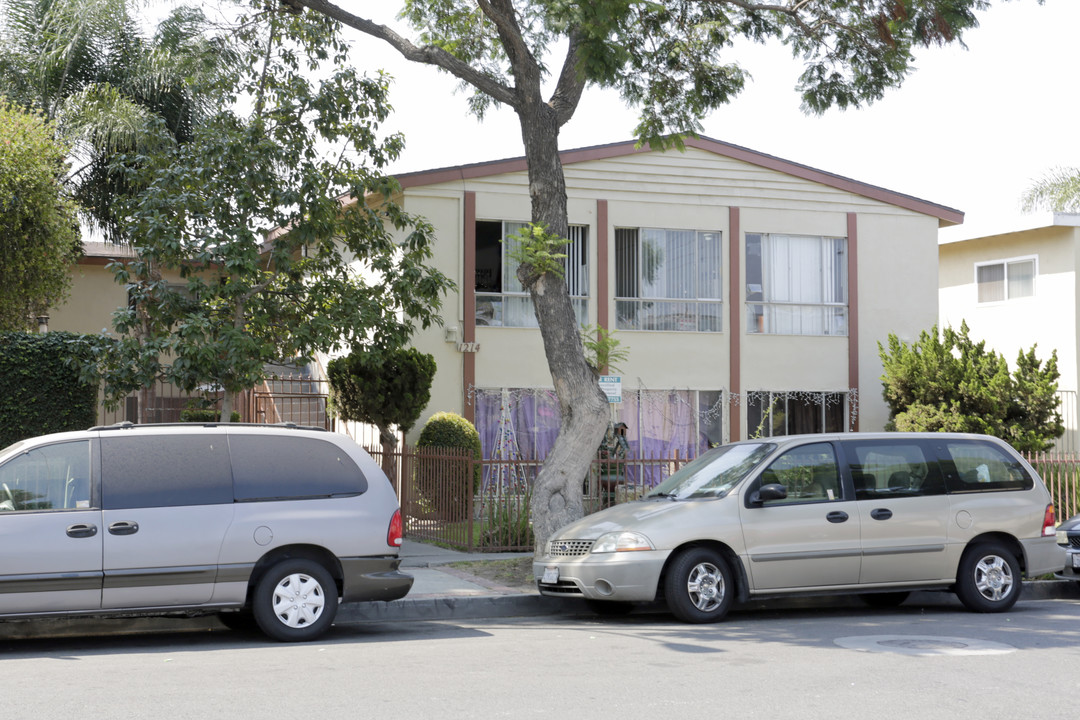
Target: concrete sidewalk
x,y
443,593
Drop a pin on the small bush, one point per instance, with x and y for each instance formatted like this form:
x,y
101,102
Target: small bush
x,y
443,482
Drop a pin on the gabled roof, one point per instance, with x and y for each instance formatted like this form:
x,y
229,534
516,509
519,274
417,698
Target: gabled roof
x,y
946,215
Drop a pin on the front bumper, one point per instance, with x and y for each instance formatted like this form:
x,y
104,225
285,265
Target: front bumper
x,y
625,576
373,578
1071,571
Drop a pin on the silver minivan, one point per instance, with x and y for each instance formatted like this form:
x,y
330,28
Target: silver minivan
x,y
874,514
268,523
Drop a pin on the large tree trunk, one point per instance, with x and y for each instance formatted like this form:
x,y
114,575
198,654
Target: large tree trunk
x,y
556,495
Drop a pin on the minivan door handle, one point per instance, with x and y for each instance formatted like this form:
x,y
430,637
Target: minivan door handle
x,y
881,513
837,516
124,528
82,530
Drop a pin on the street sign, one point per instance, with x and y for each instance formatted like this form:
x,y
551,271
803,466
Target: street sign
x,y
612,387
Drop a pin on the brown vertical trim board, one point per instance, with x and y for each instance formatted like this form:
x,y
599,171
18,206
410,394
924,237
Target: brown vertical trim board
x,y
468,287
734,323
853,309
603,253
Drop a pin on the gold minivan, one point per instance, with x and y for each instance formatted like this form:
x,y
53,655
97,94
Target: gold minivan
x,y
874,514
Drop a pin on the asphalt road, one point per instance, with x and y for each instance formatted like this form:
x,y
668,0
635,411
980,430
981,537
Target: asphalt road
x,y
925,661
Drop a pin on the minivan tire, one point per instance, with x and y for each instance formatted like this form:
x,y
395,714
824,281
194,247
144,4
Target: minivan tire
x,y
296,600
699,586
988,579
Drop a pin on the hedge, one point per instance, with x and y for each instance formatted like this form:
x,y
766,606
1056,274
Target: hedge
x,y
40,391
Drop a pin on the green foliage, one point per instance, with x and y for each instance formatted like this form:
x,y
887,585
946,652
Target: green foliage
x,y
506,523
1057,190
672,59
602,348
534,246
450,430
41,390
949,383
90,67
445,482
39,233
212,209
382,388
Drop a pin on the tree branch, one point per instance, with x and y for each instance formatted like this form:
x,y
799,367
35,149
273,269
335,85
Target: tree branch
x,y
567,95
426,54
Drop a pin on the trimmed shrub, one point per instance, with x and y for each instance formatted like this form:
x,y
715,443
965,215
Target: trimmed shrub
x,y
40,387
205,415
445,482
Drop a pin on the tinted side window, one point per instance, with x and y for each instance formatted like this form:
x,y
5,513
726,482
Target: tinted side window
x,y
978,466
890,468
278,468
53,477
165,471
809,472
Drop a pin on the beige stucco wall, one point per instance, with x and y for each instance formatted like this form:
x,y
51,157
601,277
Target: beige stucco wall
x,y
897,260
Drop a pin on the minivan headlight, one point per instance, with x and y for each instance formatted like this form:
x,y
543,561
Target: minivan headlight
x,y
623,541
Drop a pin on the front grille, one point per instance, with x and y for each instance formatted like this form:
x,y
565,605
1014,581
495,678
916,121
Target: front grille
x,y
563,587
1074,541
569,548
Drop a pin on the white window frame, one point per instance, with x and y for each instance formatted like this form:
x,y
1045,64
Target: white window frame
x,y
1005,263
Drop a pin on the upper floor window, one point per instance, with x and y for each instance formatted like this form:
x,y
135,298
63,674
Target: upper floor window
x,y
1006,279
796,284
500,298
668,280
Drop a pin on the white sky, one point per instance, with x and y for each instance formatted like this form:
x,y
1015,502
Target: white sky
x,y
969,129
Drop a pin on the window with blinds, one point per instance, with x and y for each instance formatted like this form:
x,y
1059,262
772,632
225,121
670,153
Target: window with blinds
x,y
668,280
501,301
1003,280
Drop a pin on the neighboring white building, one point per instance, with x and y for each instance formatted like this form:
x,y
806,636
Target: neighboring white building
x,y
1016,288
751,292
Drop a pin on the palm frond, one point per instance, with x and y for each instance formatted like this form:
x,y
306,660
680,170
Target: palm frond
x,y
1057,190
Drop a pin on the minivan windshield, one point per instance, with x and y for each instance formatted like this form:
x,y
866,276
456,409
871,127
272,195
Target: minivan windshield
x,y
715,473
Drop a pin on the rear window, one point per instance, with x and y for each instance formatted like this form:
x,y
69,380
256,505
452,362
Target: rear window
x,y
983,467
164,471
284,468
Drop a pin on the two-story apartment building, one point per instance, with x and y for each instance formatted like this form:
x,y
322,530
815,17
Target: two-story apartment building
x,y
751,292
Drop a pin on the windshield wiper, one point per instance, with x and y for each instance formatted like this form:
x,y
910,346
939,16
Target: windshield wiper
x,y
669,496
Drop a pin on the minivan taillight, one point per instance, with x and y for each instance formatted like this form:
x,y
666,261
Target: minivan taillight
x,y
1048,521
394,535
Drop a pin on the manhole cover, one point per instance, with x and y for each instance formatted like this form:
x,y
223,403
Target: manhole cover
x,y
923,645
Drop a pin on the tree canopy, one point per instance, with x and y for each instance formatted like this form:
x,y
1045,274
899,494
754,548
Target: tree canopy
x,y
253,214
39,230
950,383
673,59
90,68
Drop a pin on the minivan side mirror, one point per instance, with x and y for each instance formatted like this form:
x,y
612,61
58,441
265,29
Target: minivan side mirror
x,y
772,491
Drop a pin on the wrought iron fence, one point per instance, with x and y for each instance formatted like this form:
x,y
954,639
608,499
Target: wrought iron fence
x,y
451,498
1061,473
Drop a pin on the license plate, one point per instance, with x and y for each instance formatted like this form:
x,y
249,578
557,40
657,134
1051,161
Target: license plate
x,y
1076,560
551,575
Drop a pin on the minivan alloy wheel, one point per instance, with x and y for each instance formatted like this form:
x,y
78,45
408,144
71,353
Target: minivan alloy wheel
x,y
699,586
988,579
